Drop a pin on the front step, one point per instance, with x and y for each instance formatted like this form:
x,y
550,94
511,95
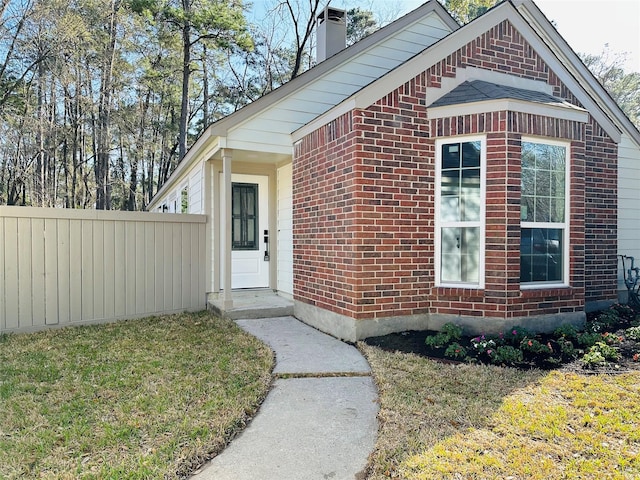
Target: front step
x,y
249,304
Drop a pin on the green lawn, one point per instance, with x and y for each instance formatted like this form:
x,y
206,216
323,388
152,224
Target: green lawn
x,y
146,398
447,421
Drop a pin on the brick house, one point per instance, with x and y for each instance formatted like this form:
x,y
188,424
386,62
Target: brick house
x,y
428,173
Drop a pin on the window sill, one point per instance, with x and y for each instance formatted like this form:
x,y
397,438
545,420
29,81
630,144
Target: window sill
x,y
546,290
461,286
544,286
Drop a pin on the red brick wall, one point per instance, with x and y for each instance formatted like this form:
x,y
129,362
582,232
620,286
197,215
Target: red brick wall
x,y
601,215
324,216
364,201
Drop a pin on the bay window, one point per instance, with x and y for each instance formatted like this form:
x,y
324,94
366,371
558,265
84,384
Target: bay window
x,y
544,213
460,212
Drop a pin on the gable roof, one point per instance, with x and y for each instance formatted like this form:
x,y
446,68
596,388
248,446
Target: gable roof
x,y
266,124
542,37
360,75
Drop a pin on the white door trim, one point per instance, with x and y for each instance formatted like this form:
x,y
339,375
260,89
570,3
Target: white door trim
x,y
249,269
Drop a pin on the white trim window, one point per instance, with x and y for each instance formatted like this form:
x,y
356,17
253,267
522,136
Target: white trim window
x,y
460,211
544,213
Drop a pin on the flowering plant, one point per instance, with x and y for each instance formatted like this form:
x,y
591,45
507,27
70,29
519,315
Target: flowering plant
x,y
483,345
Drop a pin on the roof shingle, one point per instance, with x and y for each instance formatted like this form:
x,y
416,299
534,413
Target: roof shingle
x,y
479,91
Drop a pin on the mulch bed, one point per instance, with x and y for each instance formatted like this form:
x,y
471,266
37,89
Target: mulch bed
x,y
414,342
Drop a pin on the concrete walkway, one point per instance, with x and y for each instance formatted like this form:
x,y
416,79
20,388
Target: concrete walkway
x,y
319,419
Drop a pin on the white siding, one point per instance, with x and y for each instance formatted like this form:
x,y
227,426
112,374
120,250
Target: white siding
x,y
193,180
196,195
270,129
628,199
285,229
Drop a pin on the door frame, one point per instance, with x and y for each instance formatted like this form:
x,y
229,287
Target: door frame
x,y
218,250
263,180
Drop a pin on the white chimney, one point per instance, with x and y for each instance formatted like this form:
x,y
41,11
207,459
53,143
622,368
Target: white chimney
x,y
331,32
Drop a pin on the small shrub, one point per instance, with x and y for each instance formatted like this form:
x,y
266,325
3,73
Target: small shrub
x,y
588,339
633,333
453,331
595,327
625,312
438,340
455,350
611,338
567,348
600,353
593,358
567,331
450,333
508,355
608,352
516,334
536,348
608,318
483,345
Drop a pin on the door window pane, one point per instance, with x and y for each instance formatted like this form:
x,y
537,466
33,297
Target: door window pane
x,y
244,216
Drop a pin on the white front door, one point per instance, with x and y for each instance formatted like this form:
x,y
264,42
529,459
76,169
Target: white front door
x,y
249,226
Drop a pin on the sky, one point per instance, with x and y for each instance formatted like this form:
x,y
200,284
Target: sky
x,y
587,25
599,23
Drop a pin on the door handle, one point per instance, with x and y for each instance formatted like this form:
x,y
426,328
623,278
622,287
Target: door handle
x,y
266,245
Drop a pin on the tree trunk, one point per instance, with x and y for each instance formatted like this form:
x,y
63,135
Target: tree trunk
x,y
102,161
38,181
205,90
186,75
138,154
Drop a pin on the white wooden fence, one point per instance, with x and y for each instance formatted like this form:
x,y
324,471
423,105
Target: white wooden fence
x,y
63,267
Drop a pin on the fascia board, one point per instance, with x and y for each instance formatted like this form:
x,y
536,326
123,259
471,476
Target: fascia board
x,y
508,104
205,147
577,76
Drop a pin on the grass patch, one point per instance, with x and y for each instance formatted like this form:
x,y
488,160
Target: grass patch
x,y
146,398
476,421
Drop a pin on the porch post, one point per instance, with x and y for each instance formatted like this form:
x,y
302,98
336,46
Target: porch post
x,y
227,299
209,243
